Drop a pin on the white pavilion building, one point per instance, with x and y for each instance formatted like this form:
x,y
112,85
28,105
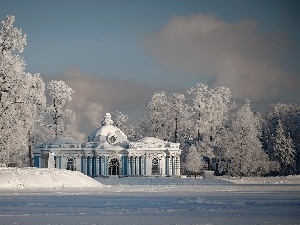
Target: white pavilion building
x,y
108,152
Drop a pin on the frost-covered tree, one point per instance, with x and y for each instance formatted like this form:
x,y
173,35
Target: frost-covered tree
x,y
20,95
240,145
59,94
121,121
210,111
289,115
166,117
179,114
155,121
196,119
284,151
193,160
37,106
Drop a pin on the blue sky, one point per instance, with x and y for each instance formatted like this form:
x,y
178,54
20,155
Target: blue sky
x,y
115,54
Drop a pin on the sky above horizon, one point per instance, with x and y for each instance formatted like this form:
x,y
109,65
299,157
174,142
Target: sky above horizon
x,y
115,54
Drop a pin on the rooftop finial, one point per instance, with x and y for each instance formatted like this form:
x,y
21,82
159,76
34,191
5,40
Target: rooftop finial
x,y
107,120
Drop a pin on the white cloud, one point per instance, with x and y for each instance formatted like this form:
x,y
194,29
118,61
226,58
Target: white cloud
x,y
235,55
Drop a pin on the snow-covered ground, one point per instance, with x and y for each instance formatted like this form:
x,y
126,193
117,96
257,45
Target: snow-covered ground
x,y
71,198
31,179
264,180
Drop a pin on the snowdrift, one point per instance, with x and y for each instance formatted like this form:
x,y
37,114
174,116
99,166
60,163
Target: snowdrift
x,y
30,178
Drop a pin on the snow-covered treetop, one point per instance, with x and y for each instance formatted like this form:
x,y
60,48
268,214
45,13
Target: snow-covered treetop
x,y
212,105
60,91
11,38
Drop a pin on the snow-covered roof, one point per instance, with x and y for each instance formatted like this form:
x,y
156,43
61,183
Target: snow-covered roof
x,y
64,140
152,140
104,145
104,131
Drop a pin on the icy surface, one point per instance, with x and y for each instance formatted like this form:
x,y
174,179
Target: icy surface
x,y
153,208
150,200
292,179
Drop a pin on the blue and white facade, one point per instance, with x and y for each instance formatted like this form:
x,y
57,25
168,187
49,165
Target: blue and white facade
x,y
108,152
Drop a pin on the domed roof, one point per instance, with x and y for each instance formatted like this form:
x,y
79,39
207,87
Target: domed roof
x,y
64,140
107,132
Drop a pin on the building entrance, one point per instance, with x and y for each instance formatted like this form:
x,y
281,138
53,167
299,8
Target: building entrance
x,y
114,167
155,166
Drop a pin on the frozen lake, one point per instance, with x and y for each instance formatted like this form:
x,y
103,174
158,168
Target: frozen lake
x,y
157,201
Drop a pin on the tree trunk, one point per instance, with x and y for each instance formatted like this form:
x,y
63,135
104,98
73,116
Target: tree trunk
x,y
30,155
176,121
55,118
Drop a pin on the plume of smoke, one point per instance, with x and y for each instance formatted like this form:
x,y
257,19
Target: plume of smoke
x,y
94,96
93,112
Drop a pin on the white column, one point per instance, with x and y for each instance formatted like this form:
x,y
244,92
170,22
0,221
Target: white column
x,y
61,162
97,166
105,166
102,166
145,165
174,165
133,168
85,165
149,166
177,163
171,166
138,165
163,166
136,168
128,166
142,165
78,163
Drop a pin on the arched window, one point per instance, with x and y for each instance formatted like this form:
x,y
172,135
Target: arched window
x,y
71,164
113,167
155,166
